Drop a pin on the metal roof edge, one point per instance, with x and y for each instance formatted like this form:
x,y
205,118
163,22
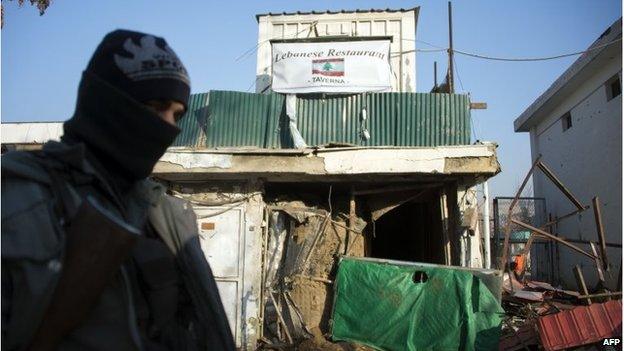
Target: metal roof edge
x,y
528,117
330,12
30,122
286,152
332,38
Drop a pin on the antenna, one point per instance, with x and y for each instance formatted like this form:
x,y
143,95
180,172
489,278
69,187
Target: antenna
x,y
450,50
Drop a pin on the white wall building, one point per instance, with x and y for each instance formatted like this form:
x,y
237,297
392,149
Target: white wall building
x,y
398,24
29,135
576,127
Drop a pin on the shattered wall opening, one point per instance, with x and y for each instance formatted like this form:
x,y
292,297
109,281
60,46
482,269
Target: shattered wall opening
x,y
411,232
275,246
312,225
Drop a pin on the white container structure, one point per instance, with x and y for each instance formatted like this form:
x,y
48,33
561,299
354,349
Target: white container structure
x,y
399,24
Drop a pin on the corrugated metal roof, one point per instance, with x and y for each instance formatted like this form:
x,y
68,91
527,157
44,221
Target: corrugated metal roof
x,y
330,12
193,123
581,325
235,119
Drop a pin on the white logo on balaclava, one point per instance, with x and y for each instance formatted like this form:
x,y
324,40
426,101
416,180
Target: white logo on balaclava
x,y
150,61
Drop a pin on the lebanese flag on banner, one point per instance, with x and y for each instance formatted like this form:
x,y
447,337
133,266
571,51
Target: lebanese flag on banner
x,y
328,67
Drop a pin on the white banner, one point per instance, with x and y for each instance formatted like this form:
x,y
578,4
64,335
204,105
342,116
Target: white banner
x,y
331,67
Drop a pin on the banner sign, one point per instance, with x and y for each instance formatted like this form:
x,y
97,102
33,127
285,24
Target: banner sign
x,y
331,67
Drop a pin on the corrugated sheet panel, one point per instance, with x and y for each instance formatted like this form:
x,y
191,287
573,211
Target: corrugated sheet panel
x,y
581,325
236,119
193,123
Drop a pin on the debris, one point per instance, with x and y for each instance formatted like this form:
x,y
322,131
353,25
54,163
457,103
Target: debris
x,y
581,282
281,319
521,338
529,295
580,326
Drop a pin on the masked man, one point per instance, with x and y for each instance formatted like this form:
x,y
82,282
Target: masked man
x,y
161,295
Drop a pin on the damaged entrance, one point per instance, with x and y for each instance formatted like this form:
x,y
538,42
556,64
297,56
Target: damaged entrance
x,y
311,226
407,225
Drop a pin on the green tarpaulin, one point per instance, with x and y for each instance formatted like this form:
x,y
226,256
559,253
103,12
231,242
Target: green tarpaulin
x,y
405,307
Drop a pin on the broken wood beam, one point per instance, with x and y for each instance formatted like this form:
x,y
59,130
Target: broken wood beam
x,y
504,256
559,219
318,235
351,220
552,237
394,189
553,178
600,230
446,238
580,280
345,227
281,318
316,279
608,294
601,277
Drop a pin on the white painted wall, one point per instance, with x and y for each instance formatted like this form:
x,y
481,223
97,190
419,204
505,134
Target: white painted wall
x,y
588,160
400,25
30,132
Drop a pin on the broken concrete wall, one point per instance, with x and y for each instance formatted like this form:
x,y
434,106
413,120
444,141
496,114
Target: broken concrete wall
x,y
469,231
303,288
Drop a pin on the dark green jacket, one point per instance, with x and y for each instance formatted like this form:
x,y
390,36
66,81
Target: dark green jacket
x,y
33,247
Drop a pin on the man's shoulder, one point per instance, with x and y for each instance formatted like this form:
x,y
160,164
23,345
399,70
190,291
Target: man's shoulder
x,y
24,183
174,220
24,165
28,228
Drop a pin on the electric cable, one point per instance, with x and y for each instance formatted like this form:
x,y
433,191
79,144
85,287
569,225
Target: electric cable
x,y
528,59
254,48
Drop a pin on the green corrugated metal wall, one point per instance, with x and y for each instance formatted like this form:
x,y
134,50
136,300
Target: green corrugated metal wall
x,y
234,119
193,122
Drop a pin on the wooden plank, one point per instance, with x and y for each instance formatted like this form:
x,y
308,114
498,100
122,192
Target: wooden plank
x,y
580,280
601,277
504,255
560,185
609,294
600,230
351,220
445,227
478,106
281,319
552,237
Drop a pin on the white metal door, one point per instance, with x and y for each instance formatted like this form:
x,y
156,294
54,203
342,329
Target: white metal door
x,y
222,237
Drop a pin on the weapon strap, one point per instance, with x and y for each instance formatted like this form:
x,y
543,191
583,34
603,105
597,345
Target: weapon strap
x,y
64,204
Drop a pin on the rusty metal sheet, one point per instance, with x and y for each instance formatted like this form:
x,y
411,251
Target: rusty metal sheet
x,y
581,325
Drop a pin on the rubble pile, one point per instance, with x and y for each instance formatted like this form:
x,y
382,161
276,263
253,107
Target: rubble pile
x,y
540,316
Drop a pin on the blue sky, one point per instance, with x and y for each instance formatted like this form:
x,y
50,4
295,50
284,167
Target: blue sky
x,y
43,56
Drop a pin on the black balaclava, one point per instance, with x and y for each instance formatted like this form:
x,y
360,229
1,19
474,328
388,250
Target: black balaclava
x,y
124,136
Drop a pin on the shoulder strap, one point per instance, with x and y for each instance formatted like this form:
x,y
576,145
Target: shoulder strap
x,y
65,206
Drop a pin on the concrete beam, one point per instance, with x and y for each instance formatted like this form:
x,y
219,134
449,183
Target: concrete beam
x,y
468,160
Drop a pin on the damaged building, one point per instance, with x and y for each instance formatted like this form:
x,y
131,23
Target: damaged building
x,y
288,185
293,213
351,188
